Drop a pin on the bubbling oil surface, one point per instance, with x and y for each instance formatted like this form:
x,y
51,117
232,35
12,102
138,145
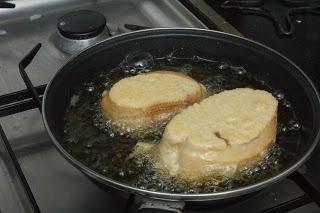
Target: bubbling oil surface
x,y
91,139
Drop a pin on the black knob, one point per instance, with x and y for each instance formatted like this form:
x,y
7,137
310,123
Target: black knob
x,y
5,4
82,24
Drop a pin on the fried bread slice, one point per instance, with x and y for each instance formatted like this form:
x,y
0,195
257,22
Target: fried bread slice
x,y
219,134
139,101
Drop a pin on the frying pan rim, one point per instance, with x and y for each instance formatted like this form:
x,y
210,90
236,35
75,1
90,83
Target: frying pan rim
x,y
175,196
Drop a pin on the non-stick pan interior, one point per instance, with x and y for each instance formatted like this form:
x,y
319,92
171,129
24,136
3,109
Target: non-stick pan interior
x,y
187,43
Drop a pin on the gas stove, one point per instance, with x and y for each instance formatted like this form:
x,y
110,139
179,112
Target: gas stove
x,y
33,175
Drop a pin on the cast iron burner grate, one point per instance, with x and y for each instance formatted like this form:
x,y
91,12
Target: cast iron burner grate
x,y
281,17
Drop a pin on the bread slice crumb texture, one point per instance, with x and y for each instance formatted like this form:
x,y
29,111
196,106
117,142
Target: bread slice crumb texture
x,y
153,88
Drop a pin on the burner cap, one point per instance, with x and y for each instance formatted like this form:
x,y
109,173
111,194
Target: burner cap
x,y
82,24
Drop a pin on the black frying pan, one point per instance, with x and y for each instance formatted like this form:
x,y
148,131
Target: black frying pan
x,y
258,59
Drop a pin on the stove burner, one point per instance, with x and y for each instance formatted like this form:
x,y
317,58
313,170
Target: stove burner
x,y
281,17
79,30
82,24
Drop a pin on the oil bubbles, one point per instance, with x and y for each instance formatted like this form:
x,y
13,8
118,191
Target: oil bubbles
x,y
223,65
239,70
94,140
278,95
138,61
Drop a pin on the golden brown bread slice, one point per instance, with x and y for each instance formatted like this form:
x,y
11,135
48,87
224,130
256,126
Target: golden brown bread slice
x,y
220,133
138,101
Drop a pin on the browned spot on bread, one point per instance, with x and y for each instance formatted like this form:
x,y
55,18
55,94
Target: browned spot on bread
x,y
218,135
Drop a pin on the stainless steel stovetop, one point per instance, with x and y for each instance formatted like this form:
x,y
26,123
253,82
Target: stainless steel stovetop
x,y
56,185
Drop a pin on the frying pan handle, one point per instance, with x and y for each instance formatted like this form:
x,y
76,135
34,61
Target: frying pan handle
x,y
157,206
22,66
